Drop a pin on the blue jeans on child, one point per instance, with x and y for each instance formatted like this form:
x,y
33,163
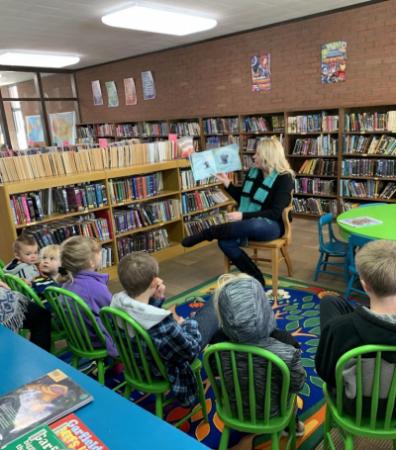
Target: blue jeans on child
x,y
257,229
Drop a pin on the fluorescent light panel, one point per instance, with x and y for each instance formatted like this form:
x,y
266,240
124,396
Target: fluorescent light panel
x,y
144,18
11,58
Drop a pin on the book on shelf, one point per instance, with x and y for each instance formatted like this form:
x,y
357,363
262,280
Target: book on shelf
x,y
135,188
327,167
42,401
203,199
315,186
209,162
186,146
188,182
323,145
149,241
199,222
221,125
314,206
369,167
312,123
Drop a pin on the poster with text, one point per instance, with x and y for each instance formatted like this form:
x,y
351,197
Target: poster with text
x,y
333,62
97,93
149,92
63,128
34,131
130,91
112,95
260,68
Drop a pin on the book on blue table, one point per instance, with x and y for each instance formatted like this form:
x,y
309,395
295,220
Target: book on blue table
x,y
39,402
216,160
363,221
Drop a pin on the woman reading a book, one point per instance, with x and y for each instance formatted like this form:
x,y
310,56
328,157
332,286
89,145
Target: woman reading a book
x,y
265,193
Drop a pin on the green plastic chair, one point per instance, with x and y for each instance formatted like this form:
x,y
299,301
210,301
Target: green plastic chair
x,y
233,413
2,274
377,426
74,315
139,371
2,264
57,332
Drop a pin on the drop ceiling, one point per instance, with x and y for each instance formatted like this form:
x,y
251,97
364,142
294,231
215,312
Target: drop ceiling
x,y
74,26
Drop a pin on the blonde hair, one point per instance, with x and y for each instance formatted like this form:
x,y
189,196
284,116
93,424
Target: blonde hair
x,y
50,250
136,271
376,265
272,155
222,281
77,254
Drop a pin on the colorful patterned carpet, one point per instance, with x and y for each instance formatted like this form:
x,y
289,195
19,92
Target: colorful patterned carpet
x,y
297,312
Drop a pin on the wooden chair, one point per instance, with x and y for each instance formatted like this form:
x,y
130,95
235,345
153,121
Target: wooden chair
x,y
238,404
374,414
279,252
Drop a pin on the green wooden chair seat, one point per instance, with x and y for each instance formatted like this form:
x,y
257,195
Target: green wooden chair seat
x,y
232,404
381,422
74,314
138,371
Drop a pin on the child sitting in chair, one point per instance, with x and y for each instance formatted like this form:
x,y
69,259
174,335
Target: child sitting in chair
x,y
178,340
24,265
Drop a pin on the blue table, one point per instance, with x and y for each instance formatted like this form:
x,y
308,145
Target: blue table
x,y
119,423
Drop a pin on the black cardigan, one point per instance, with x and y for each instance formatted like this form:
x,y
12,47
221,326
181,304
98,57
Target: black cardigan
x,y
279,196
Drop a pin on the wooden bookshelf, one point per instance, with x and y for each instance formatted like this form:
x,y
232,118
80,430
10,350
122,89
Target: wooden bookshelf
x,y
171,190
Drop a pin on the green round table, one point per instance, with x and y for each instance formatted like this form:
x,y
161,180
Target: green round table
x,y
385,230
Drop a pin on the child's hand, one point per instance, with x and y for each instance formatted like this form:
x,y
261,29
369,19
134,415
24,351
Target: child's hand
x,y
176,316
159,292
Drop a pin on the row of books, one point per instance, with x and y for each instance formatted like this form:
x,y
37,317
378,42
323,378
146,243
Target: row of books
x,y
199,222
57,232
154,128
220,141
374,145
369,189
127,130
150,241
79,159
139,216
369,167
315,206
135,188
185,128
314,186
188,182
260,124
370,121
35,206
107,256
323,145
204,199
319,167
313,123
221,125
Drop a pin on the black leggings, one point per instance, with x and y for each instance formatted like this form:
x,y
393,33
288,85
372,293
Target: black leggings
x,y
38,322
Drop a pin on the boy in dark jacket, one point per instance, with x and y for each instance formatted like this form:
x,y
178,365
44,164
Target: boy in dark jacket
x,y
345,327
178,340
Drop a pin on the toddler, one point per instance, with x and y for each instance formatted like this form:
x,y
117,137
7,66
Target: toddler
x,y
49,268
80,259
24,265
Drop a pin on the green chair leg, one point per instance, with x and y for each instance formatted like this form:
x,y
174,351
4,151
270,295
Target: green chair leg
x,y
101,371
225,436
159,408
394,444
275,441
128,390
75,361
348,442
201,396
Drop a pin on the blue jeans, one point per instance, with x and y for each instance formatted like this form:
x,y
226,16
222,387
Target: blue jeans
x,y
258,229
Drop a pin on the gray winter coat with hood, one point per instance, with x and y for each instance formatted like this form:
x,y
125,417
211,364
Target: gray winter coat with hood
x,y
246,317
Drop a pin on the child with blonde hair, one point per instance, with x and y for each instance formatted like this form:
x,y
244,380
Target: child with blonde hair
x,y
80,260
49,268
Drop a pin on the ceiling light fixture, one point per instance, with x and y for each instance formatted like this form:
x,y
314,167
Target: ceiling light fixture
x,y
144,18
27,59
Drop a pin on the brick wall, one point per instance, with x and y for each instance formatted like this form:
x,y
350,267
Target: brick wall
x,y
213,78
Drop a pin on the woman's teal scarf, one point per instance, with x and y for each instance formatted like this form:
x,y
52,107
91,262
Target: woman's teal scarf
x,y
253,203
